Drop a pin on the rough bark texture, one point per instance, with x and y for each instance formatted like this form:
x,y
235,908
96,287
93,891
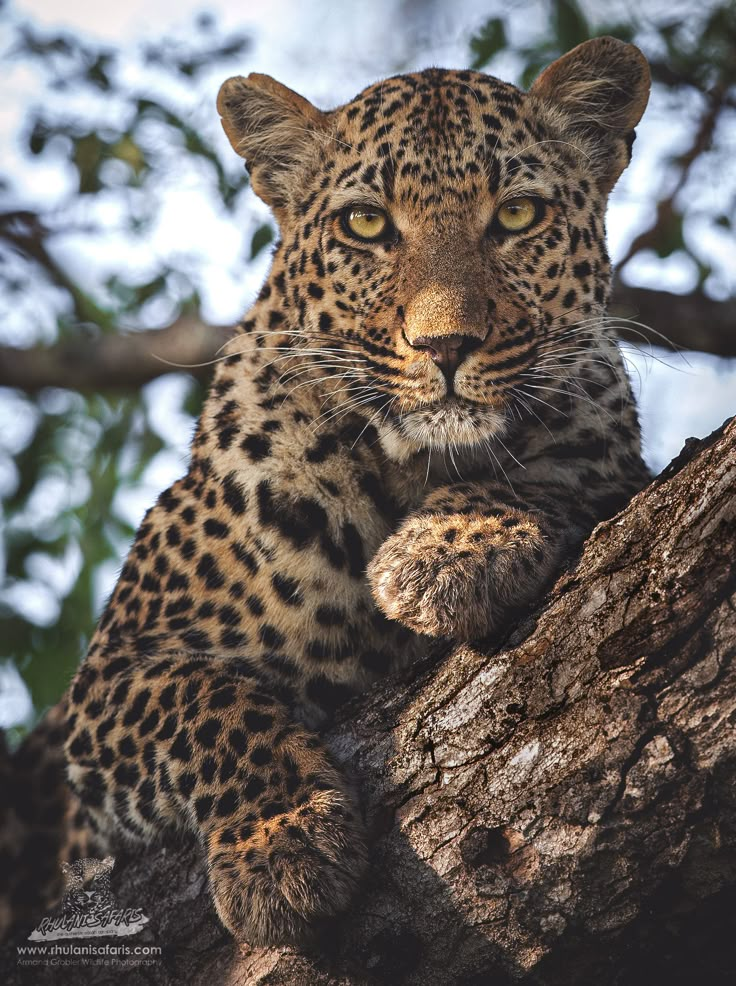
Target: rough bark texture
x,y
555,807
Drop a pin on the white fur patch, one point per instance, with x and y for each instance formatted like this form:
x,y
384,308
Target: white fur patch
x,y
449,424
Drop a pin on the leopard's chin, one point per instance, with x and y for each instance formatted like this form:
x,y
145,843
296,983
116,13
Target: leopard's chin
x,y
452,423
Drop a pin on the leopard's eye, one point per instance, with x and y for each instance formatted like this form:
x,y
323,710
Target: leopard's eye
x,y
519,214
366,223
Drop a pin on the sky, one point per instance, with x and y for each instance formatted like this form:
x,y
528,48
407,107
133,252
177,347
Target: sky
x,y
329,51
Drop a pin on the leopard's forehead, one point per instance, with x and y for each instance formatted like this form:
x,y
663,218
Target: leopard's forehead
x,y
436,102
444,136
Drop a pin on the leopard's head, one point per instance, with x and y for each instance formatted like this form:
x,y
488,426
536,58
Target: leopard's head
x,y
442,234
82,872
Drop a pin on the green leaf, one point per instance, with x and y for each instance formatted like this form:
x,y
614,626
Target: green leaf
x,y
37,138
126,149
97,73
536,60
261,238
89,153
194,399
144,292
670,238
704,272
569,24
488,42
624,32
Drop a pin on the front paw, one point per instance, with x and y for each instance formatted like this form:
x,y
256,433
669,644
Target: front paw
x,y
281,878
456,576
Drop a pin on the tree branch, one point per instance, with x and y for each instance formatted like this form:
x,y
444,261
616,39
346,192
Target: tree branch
x,y
555,807
686,321
116,361
126,361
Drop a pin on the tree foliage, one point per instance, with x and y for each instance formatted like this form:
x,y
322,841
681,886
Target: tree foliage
x,y
71,455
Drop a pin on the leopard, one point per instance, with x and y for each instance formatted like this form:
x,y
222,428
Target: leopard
x,y
87,886
413,429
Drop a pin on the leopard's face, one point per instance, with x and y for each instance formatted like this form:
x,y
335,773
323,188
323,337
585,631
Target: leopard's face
x,y
435,162
443,249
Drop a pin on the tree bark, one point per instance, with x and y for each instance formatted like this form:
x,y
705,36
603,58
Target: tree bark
x,y
558,806
128,360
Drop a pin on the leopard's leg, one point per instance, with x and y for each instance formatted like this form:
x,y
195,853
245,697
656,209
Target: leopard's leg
x,y
473,553
201,745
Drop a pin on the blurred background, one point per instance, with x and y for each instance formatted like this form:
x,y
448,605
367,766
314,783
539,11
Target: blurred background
x,y
130,241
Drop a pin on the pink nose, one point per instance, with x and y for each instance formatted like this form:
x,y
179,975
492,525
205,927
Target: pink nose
x,y
447,352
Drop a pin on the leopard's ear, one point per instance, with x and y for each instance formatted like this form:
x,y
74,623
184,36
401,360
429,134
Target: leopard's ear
x,y
274,128
600,90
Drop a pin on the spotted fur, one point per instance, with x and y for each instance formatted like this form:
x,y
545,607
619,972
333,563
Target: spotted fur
x,y
404,440
87,886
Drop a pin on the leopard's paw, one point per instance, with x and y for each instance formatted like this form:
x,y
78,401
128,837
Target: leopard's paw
x,y
283,876
456,576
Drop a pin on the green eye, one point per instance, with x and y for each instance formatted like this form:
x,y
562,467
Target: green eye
x,y
519,214
366,223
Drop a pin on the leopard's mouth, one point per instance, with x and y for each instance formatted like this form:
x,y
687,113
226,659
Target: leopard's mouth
x,y
452,421
452,403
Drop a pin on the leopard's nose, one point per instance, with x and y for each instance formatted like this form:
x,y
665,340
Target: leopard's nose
x,y
447,352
